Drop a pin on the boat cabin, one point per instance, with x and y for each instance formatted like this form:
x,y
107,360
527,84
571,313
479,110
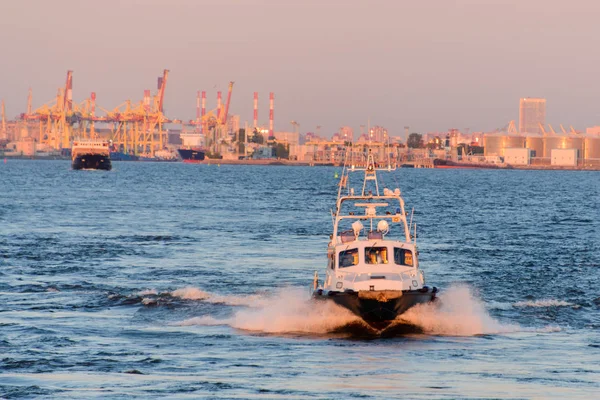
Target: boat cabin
x,y
372,253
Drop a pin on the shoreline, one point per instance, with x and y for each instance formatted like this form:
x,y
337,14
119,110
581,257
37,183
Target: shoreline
x,y
275,162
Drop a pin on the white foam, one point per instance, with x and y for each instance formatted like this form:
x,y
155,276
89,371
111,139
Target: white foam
x,y
252,300
147,292
190,293
543,303
456,313
459,312
288,311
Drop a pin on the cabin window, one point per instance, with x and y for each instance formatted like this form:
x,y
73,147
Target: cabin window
x,y
376,255
403,257
348,258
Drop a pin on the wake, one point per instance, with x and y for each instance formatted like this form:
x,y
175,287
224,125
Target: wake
x,y
457,312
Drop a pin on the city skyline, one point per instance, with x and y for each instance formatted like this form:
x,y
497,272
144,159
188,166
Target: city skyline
x,y
330,63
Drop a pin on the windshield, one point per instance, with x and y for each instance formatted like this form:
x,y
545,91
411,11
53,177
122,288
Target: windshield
x,y
348,258
403,257
376,255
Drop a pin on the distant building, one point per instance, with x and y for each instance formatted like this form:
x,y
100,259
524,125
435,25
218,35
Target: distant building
x,y
346,134
594,130
532,113
290,138
378,134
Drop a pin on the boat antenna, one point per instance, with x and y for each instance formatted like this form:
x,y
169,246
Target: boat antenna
x,y
411,219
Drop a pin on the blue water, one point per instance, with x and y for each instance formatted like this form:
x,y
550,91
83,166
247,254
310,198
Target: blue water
x,y
169,280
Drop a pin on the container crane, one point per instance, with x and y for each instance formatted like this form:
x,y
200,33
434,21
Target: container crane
x,y
542,129
68,98
162,84
552,129
226,113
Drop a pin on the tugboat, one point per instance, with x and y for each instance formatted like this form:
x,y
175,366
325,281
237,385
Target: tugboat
x,y
91,154
369,272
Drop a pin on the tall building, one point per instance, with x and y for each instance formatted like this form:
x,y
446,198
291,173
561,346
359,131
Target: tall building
x,y
532,113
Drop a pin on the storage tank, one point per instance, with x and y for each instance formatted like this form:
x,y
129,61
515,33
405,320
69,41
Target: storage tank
x,y
592,147
513,142
575,142
535,143
563,142
492,144
552,142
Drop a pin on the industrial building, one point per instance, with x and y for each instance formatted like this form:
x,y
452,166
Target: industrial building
x,y
532,113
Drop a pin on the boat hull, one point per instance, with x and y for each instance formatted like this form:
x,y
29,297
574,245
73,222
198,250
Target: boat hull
x,y
91,161
378,308
191,155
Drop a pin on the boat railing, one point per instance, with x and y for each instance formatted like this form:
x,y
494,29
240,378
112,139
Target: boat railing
x,y
366,276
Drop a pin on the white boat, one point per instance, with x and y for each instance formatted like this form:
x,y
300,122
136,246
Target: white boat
x,y
373,261
90,154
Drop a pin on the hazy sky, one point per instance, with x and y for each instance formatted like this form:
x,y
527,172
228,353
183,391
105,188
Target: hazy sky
x,y
428,64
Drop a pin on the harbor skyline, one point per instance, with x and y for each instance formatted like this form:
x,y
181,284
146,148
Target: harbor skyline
x,y
330,64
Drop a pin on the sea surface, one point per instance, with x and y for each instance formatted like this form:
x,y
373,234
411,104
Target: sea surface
x,y
169,280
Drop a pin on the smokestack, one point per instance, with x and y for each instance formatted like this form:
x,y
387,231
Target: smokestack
x,y
219,106
271,98
255,109
203,110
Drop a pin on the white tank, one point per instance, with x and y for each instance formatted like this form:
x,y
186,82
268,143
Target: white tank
x,y
592,147
514,141
493,144
552,142
535,143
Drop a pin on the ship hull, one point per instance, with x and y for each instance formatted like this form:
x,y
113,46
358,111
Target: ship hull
x,y
378,308
191,155
91,161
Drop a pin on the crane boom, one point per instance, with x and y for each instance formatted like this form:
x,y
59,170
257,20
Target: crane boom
x,y
161,90
68,99
562,128
29,102
224,119
542,129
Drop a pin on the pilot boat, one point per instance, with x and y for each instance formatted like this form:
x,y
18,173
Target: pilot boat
x,y
370,271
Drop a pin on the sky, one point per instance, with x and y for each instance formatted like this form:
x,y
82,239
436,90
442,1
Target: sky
x,y
431,65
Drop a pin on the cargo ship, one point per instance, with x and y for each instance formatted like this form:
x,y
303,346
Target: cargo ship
x,y
192,155
90,154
